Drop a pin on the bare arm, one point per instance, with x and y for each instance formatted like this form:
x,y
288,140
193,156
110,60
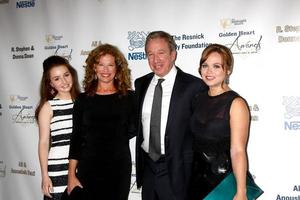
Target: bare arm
x,y
44,120
239,126
75,145
72,179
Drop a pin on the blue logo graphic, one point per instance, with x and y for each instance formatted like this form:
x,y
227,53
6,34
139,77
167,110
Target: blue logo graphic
x,y
25,4
292,110
292,107
136,39
137,56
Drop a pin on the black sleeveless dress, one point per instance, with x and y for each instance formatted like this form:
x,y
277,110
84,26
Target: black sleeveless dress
x,y
211,130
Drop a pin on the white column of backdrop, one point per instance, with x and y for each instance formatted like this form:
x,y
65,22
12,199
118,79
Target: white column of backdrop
x,y
263,35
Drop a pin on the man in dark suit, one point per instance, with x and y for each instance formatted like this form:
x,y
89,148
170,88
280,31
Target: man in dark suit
x,y
164,141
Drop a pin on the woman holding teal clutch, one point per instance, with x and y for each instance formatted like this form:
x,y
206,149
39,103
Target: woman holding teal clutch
x,y
220,125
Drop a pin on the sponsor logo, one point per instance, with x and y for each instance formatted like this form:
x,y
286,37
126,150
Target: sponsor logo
x,y
22,52
136,45
14,98
240,41
292,107
189,41
245,44
2,169
295,190
137,56
22,169
50,38
227,23
136,39
183,41
237,33
25,4
292,112
21,112
288,33
94,44
66,53
55,44
186,41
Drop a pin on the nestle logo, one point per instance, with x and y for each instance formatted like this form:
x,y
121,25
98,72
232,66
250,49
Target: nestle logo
x,y
137,56
25,4
294,125
292,106
136,39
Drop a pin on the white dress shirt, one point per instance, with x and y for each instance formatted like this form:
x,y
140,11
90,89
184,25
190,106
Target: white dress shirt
x,y
167,87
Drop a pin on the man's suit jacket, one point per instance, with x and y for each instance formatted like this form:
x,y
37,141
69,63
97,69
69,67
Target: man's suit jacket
x,y
178,138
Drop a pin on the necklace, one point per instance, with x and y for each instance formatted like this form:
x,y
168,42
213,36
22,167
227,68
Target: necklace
x,y
106,90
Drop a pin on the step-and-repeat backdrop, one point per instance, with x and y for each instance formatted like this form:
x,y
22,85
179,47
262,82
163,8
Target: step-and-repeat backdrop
x,y
263,35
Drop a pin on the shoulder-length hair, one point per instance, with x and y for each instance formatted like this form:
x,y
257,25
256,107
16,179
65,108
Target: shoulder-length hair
x,y
122,80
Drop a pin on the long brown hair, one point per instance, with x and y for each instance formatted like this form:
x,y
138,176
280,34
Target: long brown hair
x,y
47,92
122,81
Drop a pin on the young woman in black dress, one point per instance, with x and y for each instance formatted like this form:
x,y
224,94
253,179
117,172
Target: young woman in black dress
x,y
220,125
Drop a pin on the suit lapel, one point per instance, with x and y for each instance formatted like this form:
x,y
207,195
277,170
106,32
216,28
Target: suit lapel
x,y
144,86
176,94
145,82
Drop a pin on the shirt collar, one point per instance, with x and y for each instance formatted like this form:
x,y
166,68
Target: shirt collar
x,y
168,77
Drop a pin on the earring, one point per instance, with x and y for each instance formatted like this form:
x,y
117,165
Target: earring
x,y
227,80
95,77
52,91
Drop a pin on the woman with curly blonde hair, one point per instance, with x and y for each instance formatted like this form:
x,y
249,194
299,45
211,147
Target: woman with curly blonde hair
x,y
103,122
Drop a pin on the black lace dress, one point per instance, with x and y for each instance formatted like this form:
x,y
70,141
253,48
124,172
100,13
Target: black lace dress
x,y
211,130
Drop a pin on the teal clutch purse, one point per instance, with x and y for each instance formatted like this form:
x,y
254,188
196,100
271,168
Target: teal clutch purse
x,y
227,189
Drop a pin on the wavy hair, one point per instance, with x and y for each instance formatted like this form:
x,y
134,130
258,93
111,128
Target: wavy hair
x,y
122,80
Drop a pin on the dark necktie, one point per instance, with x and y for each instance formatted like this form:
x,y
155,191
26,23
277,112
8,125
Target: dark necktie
x,y
154,142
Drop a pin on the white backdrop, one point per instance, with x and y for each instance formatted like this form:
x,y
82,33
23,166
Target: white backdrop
x,y
263,35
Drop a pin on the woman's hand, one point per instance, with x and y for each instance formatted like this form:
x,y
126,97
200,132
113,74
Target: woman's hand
x,y
47,187
240,196
72,183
